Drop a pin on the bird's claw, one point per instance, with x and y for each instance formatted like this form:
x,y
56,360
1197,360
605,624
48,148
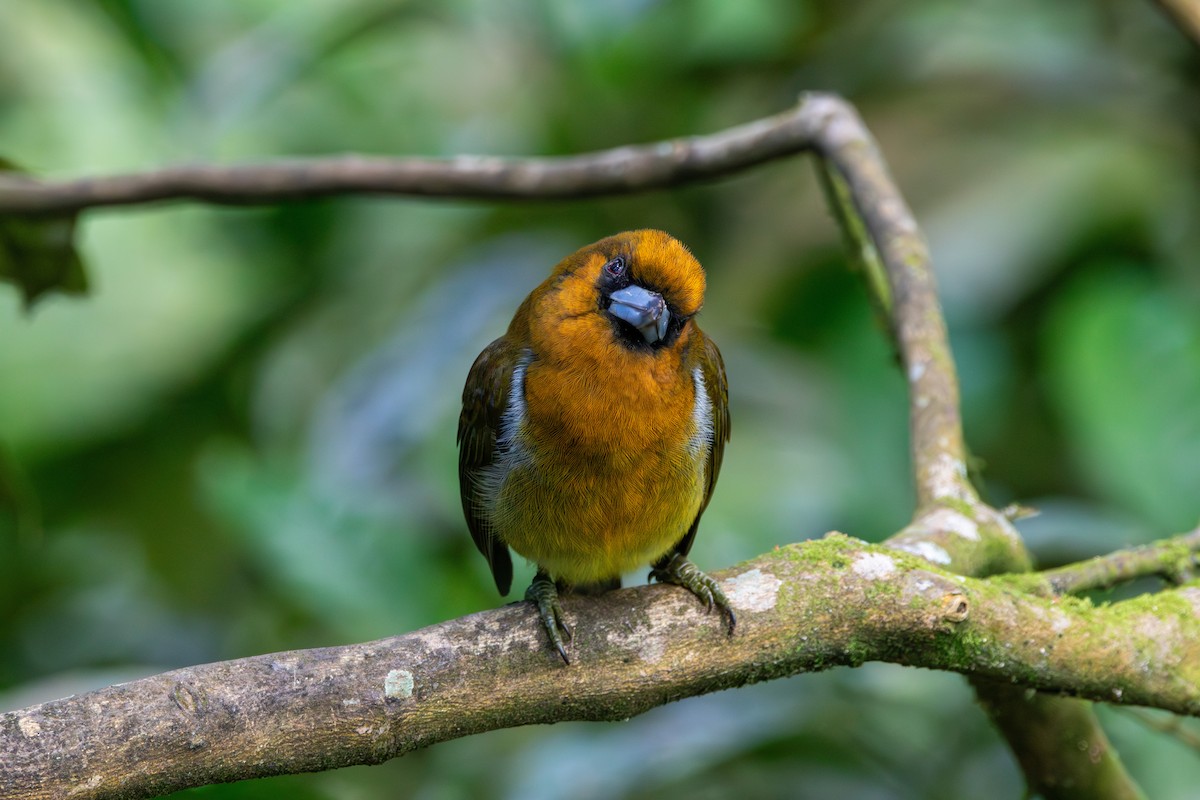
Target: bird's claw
x,y
681,572
544,594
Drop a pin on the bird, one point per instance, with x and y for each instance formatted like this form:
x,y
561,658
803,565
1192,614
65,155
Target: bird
x,y
592,432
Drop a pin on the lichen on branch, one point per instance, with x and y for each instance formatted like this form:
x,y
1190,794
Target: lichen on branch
x,y
809,606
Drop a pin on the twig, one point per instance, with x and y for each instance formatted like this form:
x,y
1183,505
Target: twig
x,y
1169,725
805,607
1173,559
617,171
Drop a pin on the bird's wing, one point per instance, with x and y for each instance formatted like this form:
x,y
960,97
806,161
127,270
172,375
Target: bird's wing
x,y
712,369
485,398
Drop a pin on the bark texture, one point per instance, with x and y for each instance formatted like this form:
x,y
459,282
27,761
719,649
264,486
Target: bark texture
x,y
805,607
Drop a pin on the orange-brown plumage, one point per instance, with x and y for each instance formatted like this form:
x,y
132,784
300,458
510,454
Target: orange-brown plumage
x,y
590,445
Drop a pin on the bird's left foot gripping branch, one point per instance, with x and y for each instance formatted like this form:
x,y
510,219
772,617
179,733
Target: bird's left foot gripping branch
x,y
592,431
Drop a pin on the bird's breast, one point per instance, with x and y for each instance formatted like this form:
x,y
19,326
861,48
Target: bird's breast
x,y
602,471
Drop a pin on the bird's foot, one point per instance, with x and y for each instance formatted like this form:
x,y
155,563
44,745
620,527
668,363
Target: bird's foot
x,y
544,594
681,572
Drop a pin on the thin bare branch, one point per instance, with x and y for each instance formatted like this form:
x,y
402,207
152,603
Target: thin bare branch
x,y
1168,725
609,172
837,601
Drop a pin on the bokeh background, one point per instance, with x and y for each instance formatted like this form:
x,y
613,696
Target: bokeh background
x,y
243,440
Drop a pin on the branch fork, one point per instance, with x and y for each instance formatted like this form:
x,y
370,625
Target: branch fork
x,y
918,600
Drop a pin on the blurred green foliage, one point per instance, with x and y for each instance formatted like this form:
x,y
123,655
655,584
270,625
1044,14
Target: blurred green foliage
x,y
243,440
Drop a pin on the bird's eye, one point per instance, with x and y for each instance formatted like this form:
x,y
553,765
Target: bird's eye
x,y
616,267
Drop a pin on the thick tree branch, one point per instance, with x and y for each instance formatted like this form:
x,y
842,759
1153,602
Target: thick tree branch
x,y
805,607
1056,725
952,525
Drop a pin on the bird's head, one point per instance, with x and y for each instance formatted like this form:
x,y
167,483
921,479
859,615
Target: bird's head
x,y
639,289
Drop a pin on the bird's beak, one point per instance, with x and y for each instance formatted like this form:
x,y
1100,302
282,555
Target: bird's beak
x,y
643,309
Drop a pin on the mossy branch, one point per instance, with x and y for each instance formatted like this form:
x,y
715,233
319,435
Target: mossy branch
x,y
806,607
952,527
864,258
1174,560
